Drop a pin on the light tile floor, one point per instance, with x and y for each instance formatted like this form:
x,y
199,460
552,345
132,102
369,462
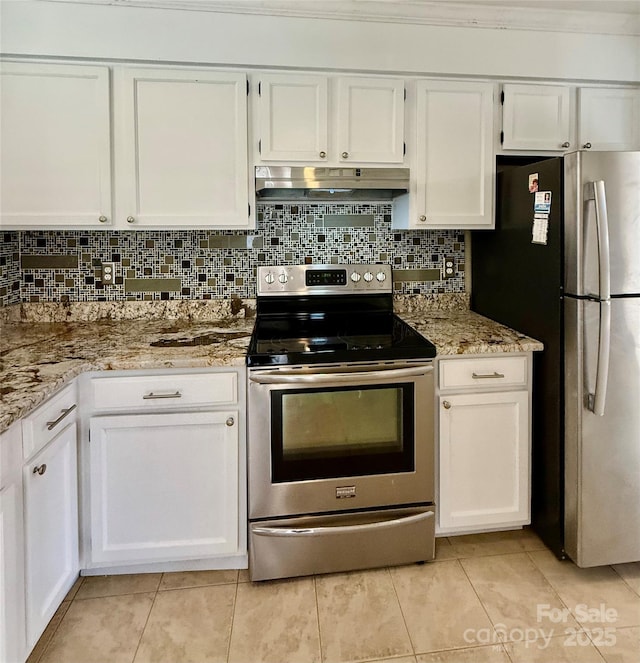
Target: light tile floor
x,y
488,598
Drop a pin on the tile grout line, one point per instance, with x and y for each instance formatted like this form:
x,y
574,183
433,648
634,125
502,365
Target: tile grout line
x,y
315,593
233,616
611,566
486,612
146,623
404,619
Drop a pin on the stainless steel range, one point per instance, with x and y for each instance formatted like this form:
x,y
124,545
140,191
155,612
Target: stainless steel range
x,y
341,434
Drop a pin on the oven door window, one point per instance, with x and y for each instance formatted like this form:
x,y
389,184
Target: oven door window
x,y
342,431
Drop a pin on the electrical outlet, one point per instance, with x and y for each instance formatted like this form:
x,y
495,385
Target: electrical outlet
x,y
108,273
448,267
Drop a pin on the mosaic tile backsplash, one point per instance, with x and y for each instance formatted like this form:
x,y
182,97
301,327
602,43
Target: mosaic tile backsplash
x,y
204,264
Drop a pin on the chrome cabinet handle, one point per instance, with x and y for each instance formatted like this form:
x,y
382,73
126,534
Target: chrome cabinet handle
x,y
102,219
52,424
152,396
422,217
230,421
587,146
40,469
566,144
345,155
323,154
130,219
446,405
484,376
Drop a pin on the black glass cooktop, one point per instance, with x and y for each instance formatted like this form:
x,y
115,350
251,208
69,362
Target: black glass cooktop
x,y
321,337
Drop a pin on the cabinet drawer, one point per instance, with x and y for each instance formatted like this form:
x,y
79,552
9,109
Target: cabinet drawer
x,y
42,425
483,372
164,391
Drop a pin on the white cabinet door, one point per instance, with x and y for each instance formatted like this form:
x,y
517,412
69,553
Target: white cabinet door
x,y
484,460
12,614
454,175
51,528
56,145
536,117
182,148
370,120
609,119
293,118
163,486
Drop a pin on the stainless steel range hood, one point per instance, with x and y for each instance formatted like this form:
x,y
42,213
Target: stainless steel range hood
x,y
340,184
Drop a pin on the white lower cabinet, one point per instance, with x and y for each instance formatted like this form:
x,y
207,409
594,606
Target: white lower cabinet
x,y
51,529
484,445
163,486
12,614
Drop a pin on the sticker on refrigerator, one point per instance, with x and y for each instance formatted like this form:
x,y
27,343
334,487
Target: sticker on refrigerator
x,y
533,183
540,230
542,201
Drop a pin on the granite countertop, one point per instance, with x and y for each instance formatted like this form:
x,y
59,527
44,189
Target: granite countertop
x,y
42,347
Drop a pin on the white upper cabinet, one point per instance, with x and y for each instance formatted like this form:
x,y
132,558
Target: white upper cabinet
x,y
56,145
293,118
370,120
453,175
330,120
536,117
608,118
183,148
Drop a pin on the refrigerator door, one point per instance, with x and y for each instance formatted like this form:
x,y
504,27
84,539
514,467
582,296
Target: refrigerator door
x,y
602,188
602,452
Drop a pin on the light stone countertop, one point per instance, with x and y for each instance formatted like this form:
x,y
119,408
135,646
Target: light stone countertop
x,y
42,347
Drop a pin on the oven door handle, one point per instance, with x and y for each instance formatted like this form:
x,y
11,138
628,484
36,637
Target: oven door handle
x,y
283,377
341,529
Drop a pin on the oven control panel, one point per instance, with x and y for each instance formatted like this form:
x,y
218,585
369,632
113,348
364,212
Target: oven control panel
x,y
324,279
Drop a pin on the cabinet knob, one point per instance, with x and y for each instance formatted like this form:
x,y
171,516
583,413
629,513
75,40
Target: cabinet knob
x,y
446,405
345,155
230,421
587,146
323,154
40,469
422,218
102,219
130,219
566,144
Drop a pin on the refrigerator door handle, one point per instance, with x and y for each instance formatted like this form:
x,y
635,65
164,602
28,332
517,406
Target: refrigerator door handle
x,y
596,401
596,191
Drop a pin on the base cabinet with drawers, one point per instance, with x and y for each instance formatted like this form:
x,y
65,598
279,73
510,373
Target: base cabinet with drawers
x,y
165,480
484,443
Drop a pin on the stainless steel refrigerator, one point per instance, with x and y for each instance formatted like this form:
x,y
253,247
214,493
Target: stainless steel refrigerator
x,y
565,269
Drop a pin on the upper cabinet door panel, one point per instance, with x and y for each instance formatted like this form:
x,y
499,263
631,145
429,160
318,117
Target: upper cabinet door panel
x,y
293,118
370,120
454,163
56,145
184,148
536,117
609,119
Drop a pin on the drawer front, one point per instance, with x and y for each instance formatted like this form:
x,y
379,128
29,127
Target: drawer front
x,y
164,391
44,423
483,372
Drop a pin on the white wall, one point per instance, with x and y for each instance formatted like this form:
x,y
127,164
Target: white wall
x,y
111,32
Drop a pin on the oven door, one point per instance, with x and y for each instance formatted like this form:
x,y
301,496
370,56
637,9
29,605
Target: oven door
x,y
340,437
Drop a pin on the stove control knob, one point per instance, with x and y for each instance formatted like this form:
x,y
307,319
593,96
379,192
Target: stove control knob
x,y
269,278
368,277
283,278
355,277
381,276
